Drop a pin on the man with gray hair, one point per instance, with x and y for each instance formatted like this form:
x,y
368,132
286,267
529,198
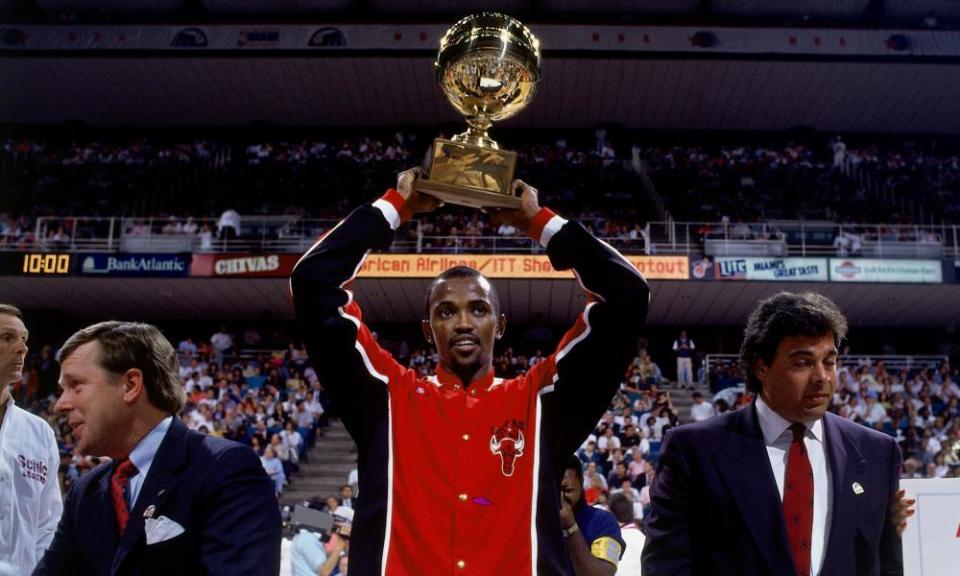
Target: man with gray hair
x,y
30,503
171,501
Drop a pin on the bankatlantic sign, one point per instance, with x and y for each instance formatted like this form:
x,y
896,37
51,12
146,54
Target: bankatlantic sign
x,y
136,265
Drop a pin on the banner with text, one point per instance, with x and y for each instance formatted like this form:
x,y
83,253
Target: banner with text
x,y
775,269
907,271
120,264
427,265
243,265
507,266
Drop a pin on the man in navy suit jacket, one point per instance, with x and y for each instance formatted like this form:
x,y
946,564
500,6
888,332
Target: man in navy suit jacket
x,y
725,497
171,501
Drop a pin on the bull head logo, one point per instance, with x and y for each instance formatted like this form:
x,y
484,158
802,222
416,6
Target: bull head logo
x,y
507,441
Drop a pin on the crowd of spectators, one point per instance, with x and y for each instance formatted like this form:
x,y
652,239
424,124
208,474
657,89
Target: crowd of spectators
x,y
185,187
757,183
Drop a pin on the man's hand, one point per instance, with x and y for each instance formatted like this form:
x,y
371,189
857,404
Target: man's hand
x,y
567,519
901,510
529,206
416,202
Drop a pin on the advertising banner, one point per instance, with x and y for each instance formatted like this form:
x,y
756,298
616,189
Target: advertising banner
x,y
507,266
701,269
426,265
771,269
120,264
876,270
243,265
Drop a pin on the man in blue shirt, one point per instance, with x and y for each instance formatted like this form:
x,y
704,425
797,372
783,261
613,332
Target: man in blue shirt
x,y
591,535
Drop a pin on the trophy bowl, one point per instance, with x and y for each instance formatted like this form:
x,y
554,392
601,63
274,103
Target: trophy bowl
x,y
488,67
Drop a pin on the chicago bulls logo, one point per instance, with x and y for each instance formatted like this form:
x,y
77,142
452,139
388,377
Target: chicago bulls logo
x,y
507,441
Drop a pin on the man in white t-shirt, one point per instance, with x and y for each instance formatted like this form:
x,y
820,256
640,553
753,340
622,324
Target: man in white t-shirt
x,y
701,410
29,461
622,507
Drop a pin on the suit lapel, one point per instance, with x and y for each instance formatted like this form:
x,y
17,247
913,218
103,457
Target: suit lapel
x,y
846,463
745,467
97,511
163,474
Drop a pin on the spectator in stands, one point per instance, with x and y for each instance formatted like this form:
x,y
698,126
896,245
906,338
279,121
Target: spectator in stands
x,y
205,235
228,227
292,439
274,468
121,393
650,372
590,454
701,410
622,509
222,343
607,442
347,499
618,473
790,351
315,553
847,244
30,503
591,536
683,347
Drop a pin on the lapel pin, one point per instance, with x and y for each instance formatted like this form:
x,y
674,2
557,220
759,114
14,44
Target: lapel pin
x,y
857,488
148,513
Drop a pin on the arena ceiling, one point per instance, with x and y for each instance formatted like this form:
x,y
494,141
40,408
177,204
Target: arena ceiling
x,y
355,91
897,91
401,300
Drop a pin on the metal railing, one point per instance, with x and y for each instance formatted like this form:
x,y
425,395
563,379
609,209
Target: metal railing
x,y
271,234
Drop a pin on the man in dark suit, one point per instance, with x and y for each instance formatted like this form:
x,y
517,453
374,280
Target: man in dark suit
x,y
171,501
780,487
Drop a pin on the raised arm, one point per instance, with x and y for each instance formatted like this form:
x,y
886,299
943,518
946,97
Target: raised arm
x,y
344,353
586,370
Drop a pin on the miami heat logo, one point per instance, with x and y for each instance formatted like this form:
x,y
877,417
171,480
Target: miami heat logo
x,y
507,441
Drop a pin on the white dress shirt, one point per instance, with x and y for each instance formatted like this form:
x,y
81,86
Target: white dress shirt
x,y
30,502
142,457
630,562
778,437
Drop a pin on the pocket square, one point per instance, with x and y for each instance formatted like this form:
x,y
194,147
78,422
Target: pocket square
x,y
161,529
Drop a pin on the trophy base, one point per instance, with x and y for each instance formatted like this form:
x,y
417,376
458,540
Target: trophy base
x,y
469,175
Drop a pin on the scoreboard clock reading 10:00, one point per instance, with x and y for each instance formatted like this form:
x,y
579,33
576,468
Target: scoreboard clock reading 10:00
x,y
44,264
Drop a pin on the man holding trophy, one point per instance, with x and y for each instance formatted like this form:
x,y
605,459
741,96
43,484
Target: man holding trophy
x,y
460,472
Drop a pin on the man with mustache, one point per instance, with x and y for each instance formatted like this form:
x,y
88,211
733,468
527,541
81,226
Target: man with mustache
x,y
30,503
460,471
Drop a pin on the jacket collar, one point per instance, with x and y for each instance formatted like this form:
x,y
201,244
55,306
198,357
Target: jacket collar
x,y
164,472
448,379
745,467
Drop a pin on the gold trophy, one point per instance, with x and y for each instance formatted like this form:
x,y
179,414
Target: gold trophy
x,y
488,67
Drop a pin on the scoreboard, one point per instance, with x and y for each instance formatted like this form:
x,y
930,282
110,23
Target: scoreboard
x,y
35,264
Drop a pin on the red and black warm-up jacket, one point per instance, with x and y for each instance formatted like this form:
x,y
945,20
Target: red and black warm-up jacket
x,y
458,480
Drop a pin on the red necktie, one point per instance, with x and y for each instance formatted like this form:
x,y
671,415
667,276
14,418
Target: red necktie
x,y
118,481
798,501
